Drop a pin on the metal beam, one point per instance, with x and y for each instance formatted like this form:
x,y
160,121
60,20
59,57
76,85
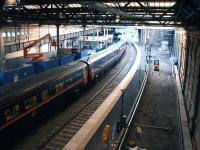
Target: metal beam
x,y
2,4
169,10
179,8
55,17
111,23
196,10
44,9
33,2
145,9
104,8
93,12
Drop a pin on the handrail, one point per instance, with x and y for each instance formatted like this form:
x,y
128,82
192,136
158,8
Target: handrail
x,y
83,136
133,109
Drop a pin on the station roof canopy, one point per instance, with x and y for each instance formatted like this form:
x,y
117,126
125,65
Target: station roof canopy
x,y
101,12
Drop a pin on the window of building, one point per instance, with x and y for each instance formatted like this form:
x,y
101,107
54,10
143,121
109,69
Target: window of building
x,y
13,34
4,34
8,34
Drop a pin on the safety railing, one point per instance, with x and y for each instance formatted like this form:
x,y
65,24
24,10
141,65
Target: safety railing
x,y
88,130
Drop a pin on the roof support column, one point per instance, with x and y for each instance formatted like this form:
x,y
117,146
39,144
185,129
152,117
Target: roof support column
x,y
2,52
140,36
107,39
57,30
145,38
98,37
104,31
84,26
107,31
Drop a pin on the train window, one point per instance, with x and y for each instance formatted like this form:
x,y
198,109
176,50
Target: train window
x,y
30,102
103,59
12,112
78,75
107,58
99,61
69,80
52,90
65,84
39,97
59,87
44,94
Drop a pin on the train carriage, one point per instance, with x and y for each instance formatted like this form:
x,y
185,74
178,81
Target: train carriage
x,y
40,94
102,61
28,101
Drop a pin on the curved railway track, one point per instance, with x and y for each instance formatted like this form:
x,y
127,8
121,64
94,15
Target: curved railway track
x,y
82,110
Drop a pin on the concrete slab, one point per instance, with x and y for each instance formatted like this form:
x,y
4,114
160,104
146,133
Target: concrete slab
x,y
157,112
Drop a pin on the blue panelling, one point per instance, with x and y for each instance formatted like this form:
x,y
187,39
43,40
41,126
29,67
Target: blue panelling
x,y
51,64
76,55
15,75
84,53
1,78
7,49
18,46
42,66
37,67
14,63
66,59
13,48
25,72
8,77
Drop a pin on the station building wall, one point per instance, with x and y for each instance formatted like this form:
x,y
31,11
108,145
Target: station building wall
x,y
188,48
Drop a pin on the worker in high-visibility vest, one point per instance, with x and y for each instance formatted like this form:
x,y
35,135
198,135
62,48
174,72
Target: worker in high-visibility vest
x,y
106,134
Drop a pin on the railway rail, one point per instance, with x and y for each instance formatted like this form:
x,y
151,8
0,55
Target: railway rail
x,y
82,113
79,112
93,126
24,108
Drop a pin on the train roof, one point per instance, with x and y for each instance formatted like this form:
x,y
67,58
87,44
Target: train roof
x,y
105,52
38,79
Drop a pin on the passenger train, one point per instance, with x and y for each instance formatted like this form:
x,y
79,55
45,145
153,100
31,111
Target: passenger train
x,y
28,101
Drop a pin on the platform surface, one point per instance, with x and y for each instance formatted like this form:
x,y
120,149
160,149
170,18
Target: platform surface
x,y
156,125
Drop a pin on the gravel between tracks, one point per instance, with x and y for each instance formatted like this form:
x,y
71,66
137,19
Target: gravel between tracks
x,y
37,135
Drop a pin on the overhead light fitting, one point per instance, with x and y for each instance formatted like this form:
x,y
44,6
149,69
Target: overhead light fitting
x,y
117,19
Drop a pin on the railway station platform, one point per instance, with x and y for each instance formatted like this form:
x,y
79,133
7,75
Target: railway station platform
x,y
68,83
156,124
148,97
158,115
